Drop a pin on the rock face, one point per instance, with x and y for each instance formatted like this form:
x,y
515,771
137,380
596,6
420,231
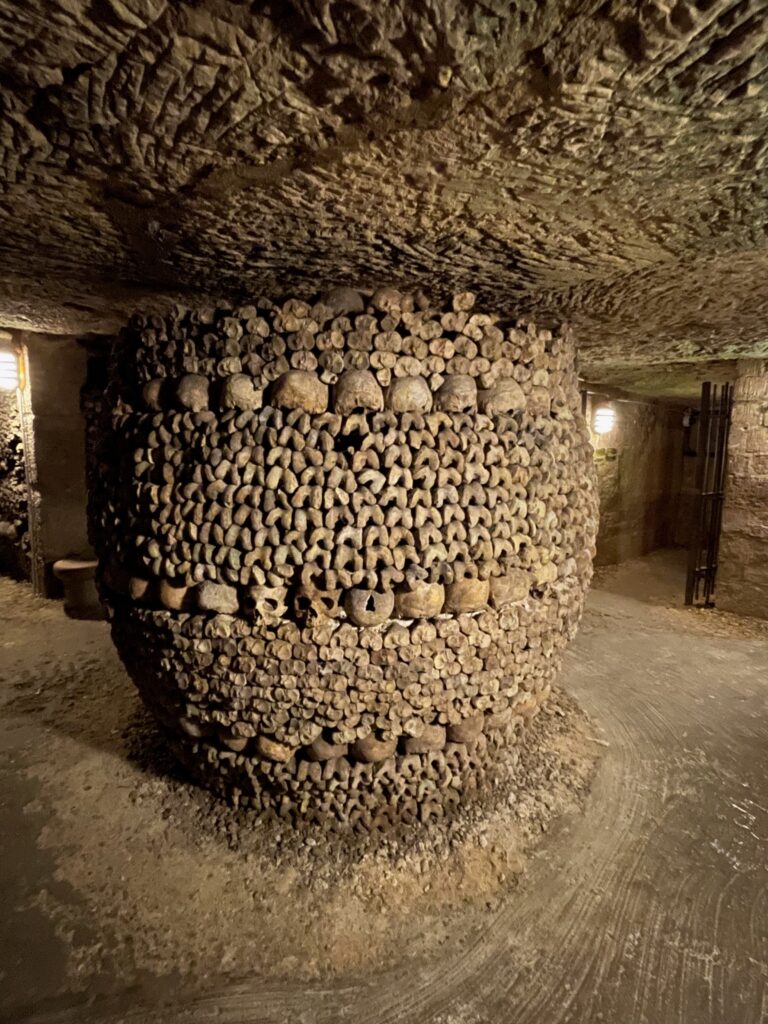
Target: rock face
x,y
342,616
742,580
603,162
640,471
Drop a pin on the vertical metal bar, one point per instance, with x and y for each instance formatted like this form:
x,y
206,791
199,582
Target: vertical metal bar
x,y
711,467
709,483
719,489
711,491
719,486
694,549
727,400
708,495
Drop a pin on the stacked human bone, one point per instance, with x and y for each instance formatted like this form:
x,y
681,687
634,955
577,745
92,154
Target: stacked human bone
x,y
14,514
344,544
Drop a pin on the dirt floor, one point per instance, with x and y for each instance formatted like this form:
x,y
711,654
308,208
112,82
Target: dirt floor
x,y
130,895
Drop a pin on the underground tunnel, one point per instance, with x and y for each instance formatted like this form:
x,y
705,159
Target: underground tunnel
x,y
383,531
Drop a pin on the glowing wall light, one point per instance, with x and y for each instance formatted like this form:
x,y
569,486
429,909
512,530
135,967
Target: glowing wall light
x,y
604,419
9,371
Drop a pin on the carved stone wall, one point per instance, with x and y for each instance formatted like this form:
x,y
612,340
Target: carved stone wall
x,y
639,466
742,575
57,370
343,544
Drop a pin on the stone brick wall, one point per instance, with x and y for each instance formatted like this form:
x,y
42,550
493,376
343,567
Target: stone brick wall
x,y
742,583
639,471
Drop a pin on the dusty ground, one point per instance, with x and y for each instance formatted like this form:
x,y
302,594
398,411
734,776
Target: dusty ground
x,y
130,876
133,897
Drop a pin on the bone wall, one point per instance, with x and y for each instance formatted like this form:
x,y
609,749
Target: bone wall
x,y
742,578
343,543
14,523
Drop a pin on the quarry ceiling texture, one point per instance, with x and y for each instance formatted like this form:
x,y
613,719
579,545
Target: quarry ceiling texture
x,y
600,162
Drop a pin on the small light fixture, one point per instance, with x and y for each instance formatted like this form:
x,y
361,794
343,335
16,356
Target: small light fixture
x,y
604,419
9,371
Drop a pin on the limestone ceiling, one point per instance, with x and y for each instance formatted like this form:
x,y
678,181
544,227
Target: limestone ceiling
x,y
603,162
678,383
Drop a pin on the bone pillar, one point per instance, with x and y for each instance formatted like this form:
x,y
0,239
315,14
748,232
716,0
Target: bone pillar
x,y
343,544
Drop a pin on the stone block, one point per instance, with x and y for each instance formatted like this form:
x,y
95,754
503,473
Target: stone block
x,y
756,464
751,387
757,439
744,415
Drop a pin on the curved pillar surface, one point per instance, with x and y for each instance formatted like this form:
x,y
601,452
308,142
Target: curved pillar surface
x,y
343,544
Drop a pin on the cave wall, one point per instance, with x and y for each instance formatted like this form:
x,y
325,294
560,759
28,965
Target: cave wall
x,y
14,521
742,580
343,544
688,494
639,467
57,370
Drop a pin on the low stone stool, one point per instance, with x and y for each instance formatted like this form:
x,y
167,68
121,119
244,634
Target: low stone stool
x,y
81,599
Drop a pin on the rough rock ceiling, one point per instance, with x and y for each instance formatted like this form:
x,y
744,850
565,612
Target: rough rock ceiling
x,y
599,161
678,383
